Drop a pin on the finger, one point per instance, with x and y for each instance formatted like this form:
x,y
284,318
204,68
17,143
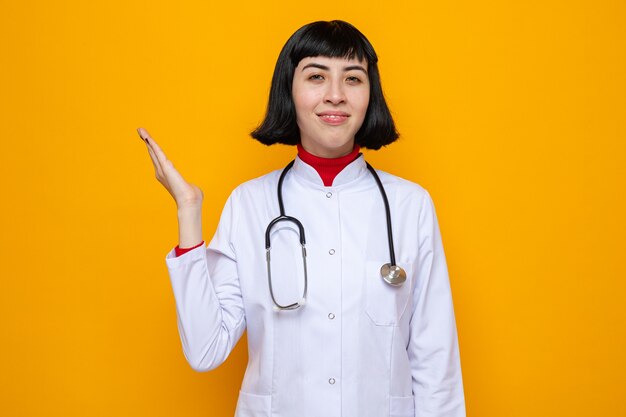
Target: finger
x,y
158,169
157,150
143,134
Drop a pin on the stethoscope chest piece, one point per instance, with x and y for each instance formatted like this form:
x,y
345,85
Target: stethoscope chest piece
x,y
393,274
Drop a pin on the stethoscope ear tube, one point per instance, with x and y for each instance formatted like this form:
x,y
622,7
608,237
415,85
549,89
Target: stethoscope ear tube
x,y
284,218
302,301
392,252
279,188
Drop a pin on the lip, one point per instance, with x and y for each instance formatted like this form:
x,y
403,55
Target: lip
x,y
333,117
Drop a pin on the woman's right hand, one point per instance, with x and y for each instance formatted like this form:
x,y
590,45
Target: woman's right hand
x,y
186,195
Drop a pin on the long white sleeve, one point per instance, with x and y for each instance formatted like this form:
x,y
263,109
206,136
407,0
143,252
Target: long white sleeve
x,y
433,344
209,305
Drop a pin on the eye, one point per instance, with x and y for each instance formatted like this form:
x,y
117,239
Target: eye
x,y
316,77
353,79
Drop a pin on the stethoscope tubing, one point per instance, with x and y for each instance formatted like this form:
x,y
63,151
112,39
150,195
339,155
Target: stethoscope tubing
x,y
392,252
284,218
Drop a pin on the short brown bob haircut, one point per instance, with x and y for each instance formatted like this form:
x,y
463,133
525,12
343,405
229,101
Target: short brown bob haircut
x,y
334,39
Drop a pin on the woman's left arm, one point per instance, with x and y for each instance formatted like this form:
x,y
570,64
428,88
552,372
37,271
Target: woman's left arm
x,y
433,346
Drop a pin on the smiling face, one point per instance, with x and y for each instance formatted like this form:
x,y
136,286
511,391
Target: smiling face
x,y
331,96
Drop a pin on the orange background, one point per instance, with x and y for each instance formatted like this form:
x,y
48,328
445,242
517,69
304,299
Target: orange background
x,y
511,115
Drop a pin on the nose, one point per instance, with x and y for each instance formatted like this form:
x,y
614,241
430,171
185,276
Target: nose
x,y
335,93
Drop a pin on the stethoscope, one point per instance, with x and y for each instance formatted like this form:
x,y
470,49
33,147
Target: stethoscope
x,y
390,272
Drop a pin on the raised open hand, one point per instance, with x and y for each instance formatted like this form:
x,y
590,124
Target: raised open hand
x,y
184,193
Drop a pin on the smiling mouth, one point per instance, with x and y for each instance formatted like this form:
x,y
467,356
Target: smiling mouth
x,y
333,118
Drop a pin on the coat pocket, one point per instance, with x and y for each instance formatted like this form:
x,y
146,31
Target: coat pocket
x,y
252,405
401,407
385,303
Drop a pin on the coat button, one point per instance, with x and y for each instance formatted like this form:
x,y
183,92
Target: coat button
x,y
329,194
331,316
332,251
331,381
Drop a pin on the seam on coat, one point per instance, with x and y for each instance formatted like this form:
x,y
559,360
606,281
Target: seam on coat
x,y
341,316
393,334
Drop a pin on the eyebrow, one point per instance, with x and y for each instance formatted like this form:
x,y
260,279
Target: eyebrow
x,y
325,68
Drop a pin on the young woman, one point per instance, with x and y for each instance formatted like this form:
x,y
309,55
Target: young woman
x,y
336,271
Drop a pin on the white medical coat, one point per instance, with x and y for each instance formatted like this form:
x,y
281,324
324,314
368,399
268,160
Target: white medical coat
x,y
359,347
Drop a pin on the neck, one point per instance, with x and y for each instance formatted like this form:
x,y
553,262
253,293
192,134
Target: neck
x,y
328,168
